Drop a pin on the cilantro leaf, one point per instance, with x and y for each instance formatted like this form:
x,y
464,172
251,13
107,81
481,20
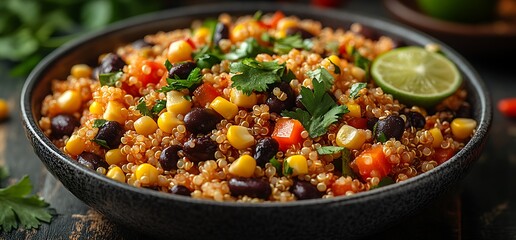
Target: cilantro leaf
x,y
98,123
355,89
109,79
275,163
19,209
321,109
142,108
287,169
251,75
284,45
346,160
160,105
384,182
250,48
337,68
206,57
193,79
210,24
329,150
258,15
359,60
168,65
101,142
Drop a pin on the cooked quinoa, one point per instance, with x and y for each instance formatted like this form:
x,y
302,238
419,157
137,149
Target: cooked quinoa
x,y
167,112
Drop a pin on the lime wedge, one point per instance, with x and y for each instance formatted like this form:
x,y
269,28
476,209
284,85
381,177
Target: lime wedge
x,y
416,76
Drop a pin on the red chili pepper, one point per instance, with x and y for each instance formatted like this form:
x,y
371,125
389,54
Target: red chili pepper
x,y
507,107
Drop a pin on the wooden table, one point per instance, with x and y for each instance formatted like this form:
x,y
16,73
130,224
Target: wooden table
x,y
483,206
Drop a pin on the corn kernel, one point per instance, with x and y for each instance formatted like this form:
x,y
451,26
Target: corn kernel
x,y
96,108
177,103
114,112
298,164
4,109
70,101
167,121
350,137
114,156
354,110
239,137
239,33
116,174
202,34
463,127
241,99
81,71
438,137
145,125
179,51
75,145
243,167
358,73
286,23
224,107
147,174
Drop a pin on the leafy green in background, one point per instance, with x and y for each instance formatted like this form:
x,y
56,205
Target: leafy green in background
x,y
30,29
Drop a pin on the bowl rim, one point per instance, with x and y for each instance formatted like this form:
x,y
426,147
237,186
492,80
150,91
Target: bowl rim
x,y
213,9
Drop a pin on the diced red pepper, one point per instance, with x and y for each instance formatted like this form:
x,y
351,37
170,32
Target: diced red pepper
x,y
131,89
191,42
340,188
205,94
442,155
278,15
287,132
357,122
373,159
150,72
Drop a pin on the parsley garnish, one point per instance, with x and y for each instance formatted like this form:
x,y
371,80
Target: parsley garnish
x,y
160,105
18,208
142,108
100,142
355,89
98,123
251,75
109,79
322,111
284,45
287,169
275,163
380,136
247,49
152,112
193,79
329,150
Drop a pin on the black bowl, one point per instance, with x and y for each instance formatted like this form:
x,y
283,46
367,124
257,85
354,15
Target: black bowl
x,y
171,216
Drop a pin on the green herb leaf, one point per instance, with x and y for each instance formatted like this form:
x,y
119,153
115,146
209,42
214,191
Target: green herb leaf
x,y
322,111
329,150
159,106
384,182
98,123
142,108
258,15
275,163
381,137
210,24
4,173
284,45
193,79
346,160
206,57
168,65
101,142
18,208
360,61
251,75
337,68
109,79
247,49
355,89
287,169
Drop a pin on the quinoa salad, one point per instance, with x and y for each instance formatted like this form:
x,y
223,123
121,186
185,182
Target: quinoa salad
x,y
265,107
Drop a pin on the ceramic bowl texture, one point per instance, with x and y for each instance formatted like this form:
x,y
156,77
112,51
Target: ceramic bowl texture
x,y
178,217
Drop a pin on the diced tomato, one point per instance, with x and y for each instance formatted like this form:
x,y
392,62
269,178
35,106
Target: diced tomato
x,y
340,187
358,123
190,41
442,155
373,159
287,132
205,93
507,106
157,70
278,15
131,89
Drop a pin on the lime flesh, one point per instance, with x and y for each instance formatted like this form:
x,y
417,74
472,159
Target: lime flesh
x,y
416,76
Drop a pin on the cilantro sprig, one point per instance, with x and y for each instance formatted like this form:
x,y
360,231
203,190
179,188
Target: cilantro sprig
x,y
252,75
249,48
355,90
284,45
109,79
19,208
151,112
193,79
321,109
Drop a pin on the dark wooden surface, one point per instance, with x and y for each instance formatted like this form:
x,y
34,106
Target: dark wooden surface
x,y
483,206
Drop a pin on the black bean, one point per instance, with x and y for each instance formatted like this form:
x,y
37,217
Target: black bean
x,y
111,63
221,32
169,158
181,190
63,125
369,33
251,187
464,111
111,132
415,119
200,149
297,30
371,122
305,190
201,120
265,149
389,127
92,160
141,43
275,104
181,69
